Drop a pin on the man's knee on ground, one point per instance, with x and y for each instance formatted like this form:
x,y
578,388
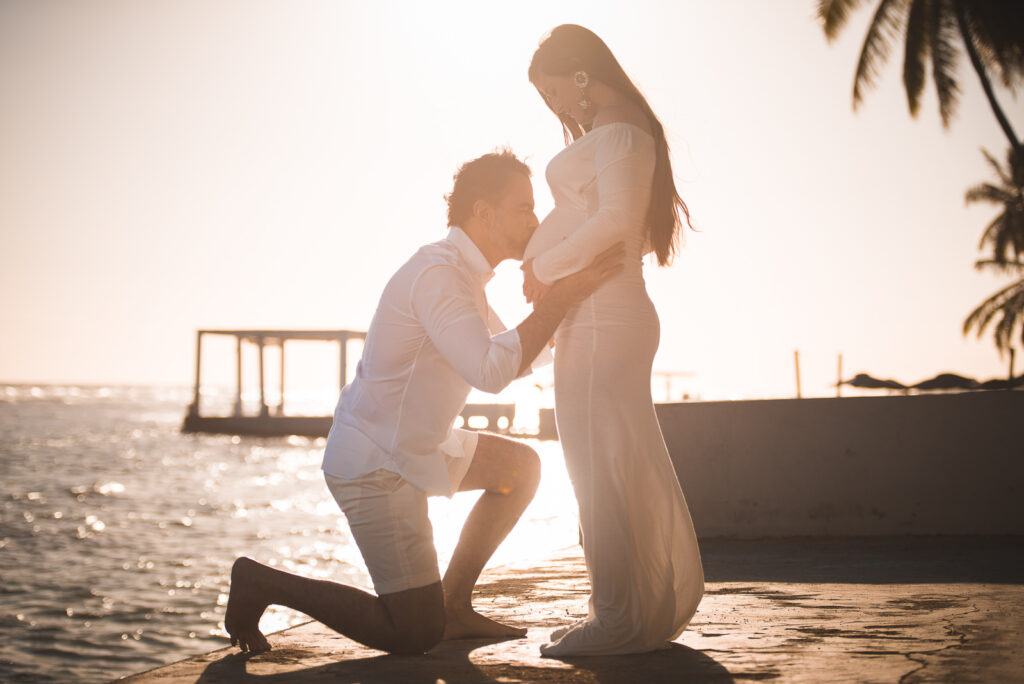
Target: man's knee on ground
x,y
418,618
415,636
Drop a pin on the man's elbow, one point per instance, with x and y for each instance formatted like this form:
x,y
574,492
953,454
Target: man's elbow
x,y
492,384
492,378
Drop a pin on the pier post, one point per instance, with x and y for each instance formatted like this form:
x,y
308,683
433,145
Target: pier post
x,y
238,376
264,411
796,361
193,410
280,407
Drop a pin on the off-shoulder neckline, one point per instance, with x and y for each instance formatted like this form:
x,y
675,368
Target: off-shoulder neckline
x,y
609,125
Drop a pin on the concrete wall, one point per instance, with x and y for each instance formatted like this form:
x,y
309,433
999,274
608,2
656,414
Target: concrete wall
x,y
936,464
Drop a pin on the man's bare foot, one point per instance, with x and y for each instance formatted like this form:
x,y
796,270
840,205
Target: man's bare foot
x,y
245,607
469,624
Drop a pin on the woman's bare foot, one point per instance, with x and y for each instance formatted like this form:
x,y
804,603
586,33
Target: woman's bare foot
x,y
245,607
469,624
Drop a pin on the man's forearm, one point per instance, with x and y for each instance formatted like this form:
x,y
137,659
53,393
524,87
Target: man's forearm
x,y
539,326
537,329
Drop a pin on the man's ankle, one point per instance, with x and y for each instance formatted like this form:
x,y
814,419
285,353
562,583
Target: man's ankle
x,y
457,606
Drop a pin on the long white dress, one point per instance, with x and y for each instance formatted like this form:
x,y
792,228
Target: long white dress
x,y
638,539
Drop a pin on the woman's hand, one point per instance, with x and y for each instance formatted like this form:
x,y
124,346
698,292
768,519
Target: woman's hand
x,y
533,289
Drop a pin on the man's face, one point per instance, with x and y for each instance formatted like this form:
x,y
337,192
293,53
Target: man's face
x,y
514,220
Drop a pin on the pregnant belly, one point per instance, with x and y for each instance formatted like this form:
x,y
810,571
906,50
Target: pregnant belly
x,y
556,226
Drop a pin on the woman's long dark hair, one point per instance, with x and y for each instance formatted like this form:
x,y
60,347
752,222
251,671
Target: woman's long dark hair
x,y
570,48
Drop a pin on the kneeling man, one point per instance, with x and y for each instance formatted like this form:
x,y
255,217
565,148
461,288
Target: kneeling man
x,y
432,338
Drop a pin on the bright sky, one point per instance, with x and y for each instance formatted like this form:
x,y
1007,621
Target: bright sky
x,y
168,166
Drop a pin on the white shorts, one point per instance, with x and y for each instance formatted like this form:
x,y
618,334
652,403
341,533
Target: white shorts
x,y
389,521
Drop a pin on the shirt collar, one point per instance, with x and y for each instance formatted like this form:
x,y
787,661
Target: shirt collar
x,y
474,258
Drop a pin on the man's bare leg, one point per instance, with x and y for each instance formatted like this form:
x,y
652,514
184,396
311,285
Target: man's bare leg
x,y
508,472
410,621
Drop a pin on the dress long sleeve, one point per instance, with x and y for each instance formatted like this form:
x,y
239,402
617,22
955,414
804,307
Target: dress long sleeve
x,y
624,167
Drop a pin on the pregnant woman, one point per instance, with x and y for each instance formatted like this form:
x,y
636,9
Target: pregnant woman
x,y
613,183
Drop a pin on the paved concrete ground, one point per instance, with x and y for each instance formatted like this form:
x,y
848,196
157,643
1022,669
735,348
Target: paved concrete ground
x,y
837,610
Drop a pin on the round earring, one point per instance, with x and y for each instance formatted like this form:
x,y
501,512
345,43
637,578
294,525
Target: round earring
x,y
581,80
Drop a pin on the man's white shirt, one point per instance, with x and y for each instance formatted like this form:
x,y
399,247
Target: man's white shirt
x,y
432,339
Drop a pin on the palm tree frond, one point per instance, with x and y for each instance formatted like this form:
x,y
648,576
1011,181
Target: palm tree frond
x,y
915,53
943,35
1006,267
1004,177
971,34
1015,164
998,28
991,231
1013,315
1005,233
1013,228
986,192
884,26
995,233
833,15
980,317
1010,303
1004,329
1002,239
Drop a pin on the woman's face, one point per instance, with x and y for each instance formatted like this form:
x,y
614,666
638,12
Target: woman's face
x,y
564,97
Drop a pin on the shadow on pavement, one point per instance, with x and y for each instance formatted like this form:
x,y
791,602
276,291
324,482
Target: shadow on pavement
x,y
677,663
451,662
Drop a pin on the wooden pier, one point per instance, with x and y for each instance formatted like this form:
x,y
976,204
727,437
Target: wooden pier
x,y
272,421
267,422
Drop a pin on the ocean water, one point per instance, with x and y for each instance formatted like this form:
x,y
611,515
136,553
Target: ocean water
x,y
117,532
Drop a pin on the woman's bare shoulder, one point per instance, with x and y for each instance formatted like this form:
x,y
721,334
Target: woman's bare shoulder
x,y
625,113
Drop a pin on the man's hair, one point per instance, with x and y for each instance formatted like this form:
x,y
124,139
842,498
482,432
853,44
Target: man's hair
x,y
485,178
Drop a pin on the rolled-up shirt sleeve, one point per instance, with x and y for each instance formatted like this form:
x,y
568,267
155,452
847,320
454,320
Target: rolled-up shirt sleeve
x,y
443,301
